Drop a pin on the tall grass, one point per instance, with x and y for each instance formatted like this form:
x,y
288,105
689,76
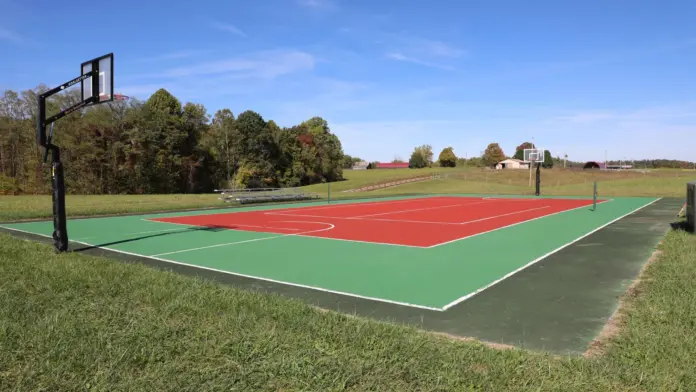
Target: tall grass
x,y
75,322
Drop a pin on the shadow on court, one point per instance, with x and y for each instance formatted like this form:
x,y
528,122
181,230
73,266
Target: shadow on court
x,y
186,230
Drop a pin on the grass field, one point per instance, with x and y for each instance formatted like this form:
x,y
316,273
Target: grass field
x,y
74,322
657,183
77,321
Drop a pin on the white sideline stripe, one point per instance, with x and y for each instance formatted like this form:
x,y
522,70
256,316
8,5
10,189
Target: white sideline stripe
x,y
366,219
348,203
305,236
413,210
254,240
511,225
502,215
247,276
464,298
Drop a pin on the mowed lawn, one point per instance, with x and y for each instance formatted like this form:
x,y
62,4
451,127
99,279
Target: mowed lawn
x,y
77,322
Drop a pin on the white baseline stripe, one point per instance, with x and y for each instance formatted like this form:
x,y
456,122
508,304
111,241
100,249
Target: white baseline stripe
x,y
246,276
513,224
416,209
464,298
348,203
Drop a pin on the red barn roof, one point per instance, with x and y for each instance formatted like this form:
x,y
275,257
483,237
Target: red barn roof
x,y
381,165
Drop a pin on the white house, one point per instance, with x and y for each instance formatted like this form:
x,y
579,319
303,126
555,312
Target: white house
x,y
362,165
511,164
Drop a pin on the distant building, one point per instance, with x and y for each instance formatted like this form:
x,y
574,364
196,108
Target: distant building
x,y
604,166
362,165
511,164
381,165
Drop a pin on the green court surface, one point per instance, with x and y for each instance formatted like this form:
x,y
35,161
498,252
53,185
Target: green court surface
x,y
434,278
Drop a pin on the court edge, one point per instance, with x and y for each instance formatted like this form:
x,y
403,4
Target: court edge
x,y
443,309
464,298
240,274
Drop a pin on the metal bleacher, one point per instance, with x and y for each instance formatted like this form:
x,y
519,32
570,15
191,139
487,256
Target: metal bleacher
x,y
264,195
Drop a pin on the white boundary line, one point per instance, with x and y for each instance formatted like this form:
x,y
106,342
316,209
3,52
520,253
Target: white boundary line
x,y
414,210
247,276
513,224
303,236
502,215
464,298
353,203
253,240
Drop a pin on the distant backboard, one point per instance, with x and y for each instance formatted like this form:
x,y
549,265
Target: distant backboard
x,y
533,155
105,65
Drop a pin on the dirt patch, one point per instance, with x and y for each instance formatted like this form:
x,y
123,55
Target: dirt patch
x,y
600,345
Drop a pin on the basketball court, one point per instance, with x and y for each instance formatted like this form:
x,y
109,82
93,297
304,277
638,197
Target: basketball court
x,y
426,252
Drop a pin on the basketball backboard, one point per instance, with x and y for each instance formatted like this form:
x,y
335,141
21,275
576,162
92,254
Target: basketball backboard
x,y
533,155
105,65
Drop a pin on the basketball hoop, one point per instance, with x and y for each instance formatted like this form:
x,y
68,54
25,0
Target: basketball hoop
x,y
533,156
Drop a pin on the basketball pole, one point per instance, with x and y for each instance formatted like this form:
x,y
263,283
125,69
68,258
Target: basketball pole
x,y
60,231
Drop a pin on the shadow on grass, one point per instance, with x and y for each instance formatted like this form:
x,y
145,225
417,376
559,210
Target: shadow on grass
x,y
185,230
682,225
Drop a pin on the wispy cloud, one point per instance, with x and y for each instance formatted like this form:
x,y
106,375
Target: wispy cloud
x,y
265,65
423,46
669,113
406,47
185,54
230,28
12,36
318,4
401,57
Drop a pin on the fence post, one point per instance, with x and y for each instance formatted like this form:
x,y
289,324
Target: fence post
x,y
329,192
594,197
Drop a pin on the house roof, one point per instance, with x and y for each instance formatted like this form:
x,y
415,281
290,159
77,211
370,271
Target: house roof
x,y
512,160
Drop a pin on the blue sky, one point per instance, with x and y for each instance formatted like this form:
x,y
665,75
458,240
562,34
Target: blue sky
x,y
579,77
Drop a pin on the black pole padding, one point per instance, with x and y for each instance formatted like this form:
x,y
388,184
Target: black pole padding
x,y
538,179
60,229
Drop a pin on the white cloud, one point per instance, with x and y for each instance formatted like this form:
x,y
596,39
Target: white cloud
x,y
663,113
264,65
400,57
406,47
11,36
318,4
184,54
230,28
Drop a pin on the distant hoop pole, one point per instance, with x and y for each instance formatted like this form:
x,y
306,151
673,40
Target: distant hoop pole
x,y
538,179
594,197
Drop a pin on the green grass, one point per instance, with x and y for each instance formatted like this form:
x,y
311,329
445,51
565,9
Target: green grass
x,y
76,322
663,183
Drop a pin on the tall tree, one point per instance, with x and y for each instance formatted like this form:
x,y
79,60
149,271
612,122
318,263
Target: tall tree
x,y
493,154
447,157
519,151
548,160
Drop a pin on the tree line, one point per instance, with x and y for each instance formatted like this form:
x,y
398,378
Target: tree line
x,y
161,146
422,156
